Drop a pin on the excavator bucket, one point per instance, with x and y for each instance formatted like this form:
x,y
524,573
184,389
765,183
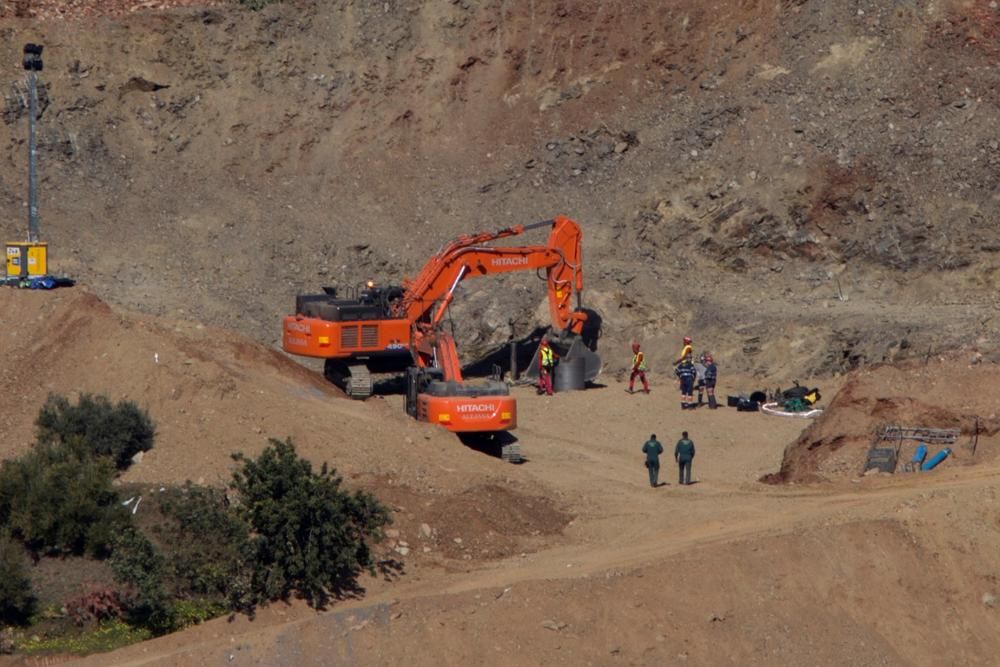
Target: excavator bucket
x,y
573,353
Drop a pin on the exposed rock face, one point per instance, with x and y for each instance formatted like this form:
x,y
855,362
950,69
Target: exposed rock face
x,y
759,172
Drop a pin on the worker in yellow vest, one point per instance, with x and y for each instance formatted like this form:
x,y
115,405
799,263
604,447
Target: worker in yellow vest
x,y
638,370
546,362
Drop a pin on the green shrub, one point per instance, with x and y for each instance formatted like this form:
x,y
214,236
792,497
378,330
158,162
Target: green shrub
x,y
309,536
193,612
158,592
59,500
17,599
204,543
137,564
117,431
257,4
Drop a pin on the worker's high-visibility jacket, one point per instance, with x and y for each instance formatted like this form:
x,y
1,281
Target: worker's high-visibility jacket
x,y
687,352
638,361
547,359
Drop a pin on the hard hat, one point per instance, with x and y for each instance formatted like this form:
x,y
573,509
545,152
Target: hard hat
x,y
370,284
687,340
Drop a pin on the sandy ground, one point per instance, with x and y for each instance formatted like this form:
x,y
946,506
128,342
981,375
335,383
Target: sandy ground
x,y
569,558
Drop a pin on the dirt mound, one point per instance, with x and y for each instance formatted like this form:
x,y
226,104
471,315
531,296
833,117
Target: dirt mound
x,y
482,523
945,394
185,374
210,392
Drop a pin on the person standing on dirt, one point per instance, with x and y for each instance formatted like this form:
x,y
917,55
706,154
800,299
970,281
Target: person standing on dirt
x,y
638,370
684,455
652,449
711,377
546,362
685,376
699,378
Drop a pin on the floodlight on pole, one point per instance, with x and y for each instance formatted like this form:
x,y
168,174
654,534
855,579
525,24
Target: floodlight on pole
x,y
32,63
30,259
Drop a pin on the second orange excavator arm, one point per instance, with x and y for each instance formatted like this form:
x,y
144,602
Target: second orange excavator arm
x,y
437,349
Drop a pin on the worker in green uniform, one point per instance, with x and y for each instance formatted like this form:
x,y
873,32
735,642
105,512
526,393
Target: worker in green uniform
x,y
652,449
684,455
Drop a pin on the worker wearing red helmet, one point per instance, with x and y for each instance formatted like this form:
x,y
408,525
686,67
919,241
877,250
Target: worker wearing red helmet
x,y
546,362
638,369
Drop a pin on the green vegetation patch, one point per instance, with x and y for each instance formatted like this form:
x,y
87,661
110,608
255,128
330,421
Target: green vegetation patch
x,y
116,431
17,598
256,4
309,535
191,554
105,637
57,499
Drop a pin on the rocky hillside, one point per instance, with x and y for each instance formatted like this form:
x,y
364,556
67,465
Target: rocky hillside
x,y
803,186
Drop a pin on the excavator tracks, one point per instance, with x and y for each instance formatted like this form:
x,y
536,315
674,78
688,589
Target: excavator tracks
x,y
355,380
359,382
511,453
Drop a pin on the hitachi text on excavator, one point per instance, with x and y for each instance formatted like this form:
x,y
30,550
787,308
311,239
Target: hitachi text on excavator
x,y
397,328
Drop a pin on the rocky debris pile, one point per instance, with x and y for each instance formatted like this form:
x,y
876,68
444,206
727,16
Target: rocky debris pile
x,y
48,10
584,158
483,523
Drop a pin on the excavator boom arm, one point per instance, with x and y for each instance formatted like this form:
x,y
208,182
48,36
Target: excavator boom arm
x,y
467,256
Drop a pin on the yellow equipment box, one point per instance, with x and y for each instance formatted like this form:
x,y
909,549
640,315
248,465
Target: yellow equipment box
x,y
27,259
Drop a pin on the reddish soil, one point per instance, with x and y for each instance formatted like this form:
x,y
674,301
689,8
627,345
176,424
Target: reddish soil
x,y
955,393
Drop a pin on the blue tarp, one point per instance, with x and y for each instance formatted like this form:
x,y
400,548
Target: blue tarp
x,y
38,282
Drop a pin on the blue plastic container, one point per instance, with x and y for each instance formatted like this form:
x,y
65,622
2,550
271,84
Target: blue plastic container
x,y
936,459
920,454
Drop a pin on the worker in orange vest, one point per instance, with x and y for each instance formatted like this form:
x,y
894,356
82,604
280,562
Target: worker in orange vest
x,y
638,370
687,352
546,362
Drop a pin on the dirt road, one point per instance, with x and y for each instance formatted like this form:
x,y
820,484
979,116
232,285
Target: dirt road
x,y
724,571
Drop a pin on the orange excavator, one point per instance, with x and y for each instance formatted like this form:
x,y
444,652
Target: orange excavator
x,y
398,329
